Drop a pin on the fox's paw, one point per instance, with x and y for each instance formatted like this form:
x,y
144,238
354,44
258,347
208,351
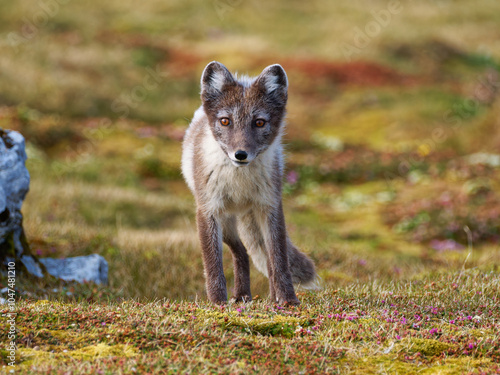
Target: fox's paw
x,y
293,302
219,302
217,296
241,298
241,293
289,299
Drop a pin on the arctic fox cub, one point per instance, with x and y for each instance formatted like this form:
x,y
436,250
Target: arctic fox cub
x,y
232,161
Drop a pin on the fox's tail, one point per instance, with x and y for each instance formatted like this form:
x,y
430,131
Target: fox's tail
x,y
302,268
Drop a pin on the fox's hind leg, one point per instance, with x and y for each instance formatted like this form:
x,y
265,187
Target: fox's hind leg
x,y
241,262
251,235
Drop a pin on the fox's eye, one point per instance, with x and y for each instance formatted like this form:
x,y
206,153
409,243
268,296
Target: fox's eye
x,y
260,123
225,121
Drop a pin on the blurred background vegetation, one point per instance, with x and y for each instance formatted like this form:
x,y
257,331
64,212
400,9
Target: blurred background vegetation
x,y
393,135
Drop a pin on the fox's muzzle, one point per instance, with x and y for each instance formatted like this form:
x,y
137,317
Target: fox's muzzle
x,y
240,158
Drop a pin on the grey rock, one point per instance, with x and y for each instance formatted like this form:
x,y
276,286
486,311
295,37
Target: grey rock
x,y
14,184
84,268
31,265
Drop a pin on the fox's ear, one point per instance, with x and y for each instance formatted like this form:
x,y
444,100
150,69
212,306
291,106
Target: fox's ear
x,y
274,82
214,78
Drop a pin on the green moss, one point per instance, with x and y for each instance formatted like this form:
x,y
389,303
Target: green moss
x,y
51,304
31,356
377,365
277,325
429,347
63,339
103,350
459,366
390,364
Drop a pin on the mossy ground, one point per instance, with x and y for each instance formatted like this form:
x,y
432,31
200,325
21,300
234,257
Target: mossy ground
x,y
391,185
439,325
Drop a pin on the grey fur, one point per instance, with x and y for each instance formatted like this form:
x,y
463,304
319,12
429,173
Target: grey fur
x,y
239,201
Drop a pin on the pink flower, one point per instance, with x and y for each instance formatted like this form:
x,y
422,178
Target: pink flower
x,y
443,245
292,177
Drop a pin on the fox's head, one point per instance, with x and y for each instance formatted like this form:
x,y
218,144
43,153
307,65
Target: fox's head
x,y
245,115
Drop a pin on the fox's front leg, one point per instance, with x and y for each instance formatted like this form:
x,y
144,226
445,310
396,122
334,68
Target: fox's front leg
x,y
280,279
240,260
210,233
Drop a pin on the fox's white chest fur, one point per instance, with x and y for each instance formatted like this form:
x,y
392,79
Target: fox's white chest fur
x,y
231,189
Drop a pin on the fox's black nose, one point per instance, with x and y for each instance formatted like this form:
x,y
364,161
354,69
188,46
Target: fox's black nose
x,y
240,155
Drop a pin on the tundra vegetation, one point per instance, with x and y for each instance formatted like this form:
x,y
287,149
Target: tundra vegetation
x,y
392,184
